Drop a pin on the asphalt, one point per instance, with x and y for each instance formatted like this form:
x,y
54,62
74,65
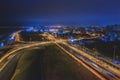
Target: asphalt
x,y
50,63
8,71
45,63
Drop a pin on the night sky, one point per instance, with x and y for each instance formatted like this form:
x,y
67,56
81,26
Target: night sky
x,y
68,12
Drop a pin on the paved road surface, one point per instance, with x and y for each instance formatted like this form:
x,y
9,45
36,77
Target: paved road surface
x,y
50,63
8,71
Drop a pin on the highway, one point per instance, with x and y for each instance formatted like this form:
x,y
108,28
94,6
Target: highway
x,y
97,69
9,61
95,60
107,74
50,63
8,71
15,52
10,68
102,67
97,55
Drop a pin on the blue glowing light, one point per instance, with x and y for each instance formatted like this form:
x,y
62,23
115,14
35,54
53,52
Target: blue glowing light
x,y
103,39
1,44
86,28
115,61
30,29
111,36
72,39
41,30
11,38
60,32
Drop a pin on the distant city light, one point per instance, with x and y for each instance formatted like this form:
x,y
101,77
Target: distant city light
x,y
72,39
11,38
1,44
115,61
111,36
30,29
41,30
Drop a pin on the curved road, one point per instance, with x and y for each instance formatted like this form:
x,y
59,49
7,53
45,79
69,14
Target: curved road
x,y
8,71
45,63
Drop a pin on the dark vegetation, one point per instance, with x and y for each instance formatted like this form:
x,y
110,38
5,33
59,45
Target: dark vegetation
x,y
106,48
32,36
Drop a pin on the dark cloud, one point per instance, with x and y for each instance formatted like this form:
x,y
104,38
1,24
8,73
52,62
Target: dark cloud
x,y
96,12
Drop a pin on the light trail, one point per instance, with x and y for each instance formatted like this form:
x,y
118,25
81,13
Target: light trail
x,y
100,63
86,66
